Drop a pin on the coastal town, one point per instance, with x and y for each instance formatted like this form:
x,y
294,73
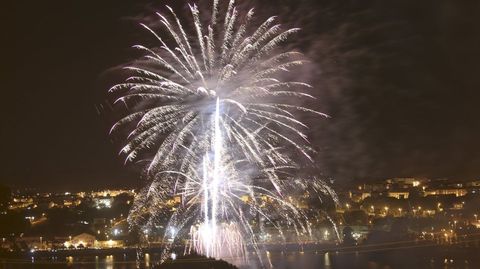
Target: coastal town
x,y
444,212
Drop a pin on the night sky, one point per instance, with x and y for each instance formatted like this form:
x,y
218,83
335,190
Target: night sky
x,y
399,78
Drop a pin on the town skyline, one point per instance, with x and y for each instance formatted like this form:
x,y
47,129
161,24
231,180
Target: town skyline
x,y
442,212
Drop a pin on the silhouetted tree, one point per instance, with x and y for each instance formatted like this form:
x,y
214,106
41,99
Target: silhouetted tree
x,y
13,223
356,217
348,236
5,196
195,262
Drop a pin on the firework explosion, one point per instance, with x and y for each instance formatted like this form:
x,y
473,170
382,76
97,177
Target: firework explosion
x,y
221,122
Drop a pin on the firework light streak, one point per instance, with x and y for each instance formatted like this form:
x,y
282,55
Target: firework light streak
x,y
221,123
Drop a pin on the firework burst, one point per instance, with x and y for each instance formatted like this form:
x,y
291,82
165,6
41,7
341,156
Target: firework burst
x,y
211,113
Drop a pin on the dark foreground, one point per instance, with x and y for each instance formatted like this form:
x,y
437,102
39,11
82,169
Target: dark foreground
x,y
382,258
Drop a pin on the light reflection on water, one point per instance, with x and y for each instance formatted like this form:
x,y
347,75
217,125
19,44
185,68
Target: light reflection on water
x,y
326,260
109,262
147,260
279,260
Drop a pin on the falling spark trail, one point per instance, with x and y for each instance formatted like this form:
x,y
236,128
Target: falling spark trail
x,y
216,166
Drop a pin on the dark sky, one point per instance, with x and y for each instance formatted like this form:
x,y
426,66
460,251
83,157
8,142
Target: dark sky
x,y
400,79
